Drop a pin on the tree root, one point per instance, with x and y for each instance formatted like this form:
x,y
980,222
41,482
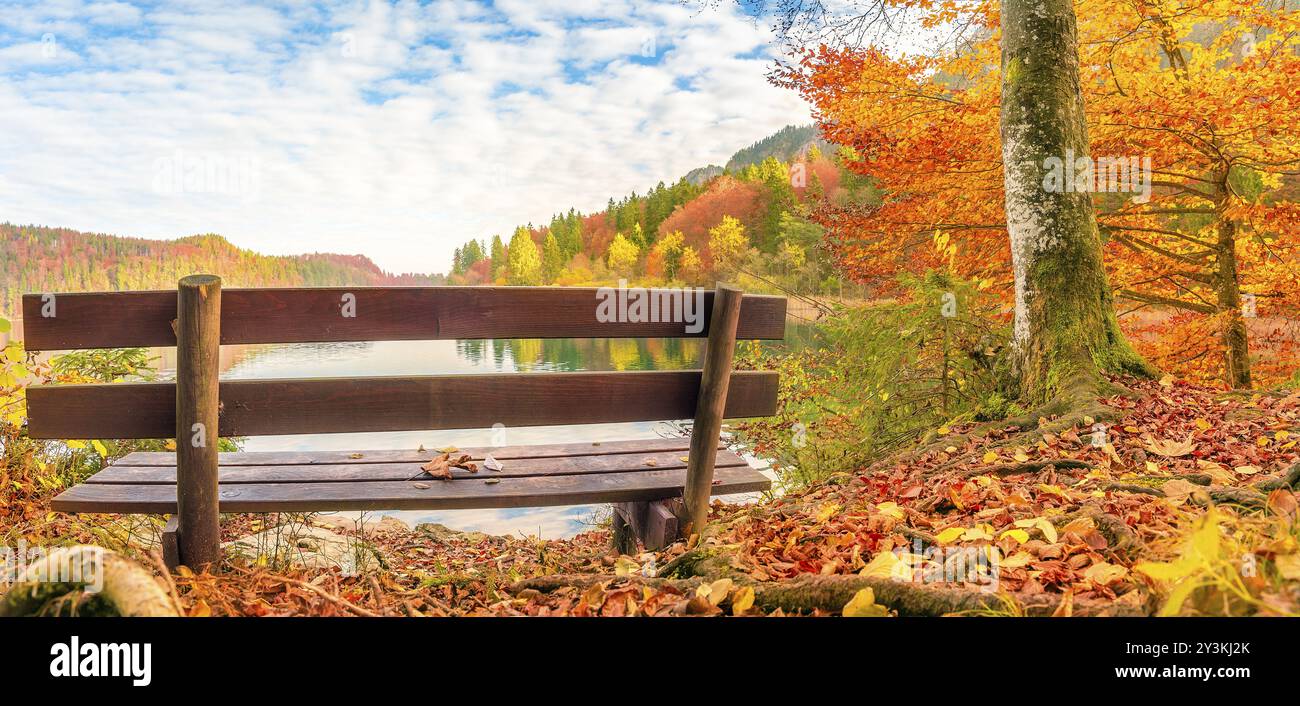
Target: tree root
x,y
1123,540
1246,497
1012,469
1134,488
1290,479
86,580
829,594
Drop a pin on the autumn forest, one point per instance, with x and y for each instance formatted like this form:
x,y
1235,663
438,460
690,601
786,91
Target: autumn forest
x,y
1003,322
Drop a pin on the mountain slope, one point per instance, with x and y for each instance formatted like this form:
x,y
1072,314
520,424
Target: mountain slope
x,y
41,259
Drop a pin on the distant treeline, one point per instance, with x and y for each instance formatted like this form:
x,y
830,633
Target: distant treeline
x,y
41,259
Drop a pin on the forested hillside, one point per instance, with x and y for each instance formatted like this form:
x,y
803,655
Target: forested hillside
x,y
41,259
748,222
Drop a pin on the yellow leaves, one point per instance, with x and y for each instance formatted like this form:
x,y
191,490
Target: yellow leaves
x,y
1042,524
827,511
972,534
716,592
1152,467
891,509
1167,381
1202,425
990,457
742,600
944,430
626,566
1019,535
950,535
99,448
1015,561
1170,448
1056,490
1199,556
74,444
887,565
1247,470
863,605
1020,455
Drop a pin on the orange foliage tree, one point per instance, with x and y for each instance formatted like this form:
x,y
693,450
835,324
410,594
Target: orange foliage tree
x,y
1204,92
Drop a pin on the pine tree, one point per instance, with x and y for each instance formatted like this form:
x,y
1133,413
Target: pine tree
x,y
499,265
552,259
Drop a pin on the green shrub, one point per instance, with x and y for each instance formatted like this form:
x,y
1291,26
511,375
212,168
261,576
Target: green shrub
x,y
884,374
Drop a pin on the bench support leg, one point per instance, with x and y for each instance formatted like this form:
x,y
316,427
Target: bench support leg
x,y
710,408
171,550
654,523
624,537
198,353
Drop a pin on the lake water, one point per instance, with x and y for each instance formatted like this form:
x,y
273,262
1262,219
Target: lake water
x,y
466,356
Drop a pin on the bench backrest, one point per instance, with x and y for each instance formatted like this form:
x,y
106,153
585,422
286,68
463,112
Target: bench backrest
x,y
322,405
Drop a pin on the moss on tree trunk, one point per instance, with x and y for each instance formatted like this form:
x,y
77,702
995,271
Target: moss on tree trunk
x,y
1236,349
1065,332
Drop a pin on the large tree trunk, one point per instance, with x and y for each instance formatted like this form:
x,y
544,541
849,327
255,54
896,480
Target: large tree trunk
x,y
1236,352
1065,329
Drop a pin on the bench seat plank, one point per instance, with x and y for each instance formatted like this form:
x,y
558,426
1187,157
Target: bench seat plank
x,y
468,493
340,472
501,453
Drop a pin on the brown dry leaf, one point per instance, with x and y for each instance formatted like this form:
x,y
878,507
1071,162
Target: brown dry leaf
x,y
1105,574
1215,471
439,467
1178,489
1282,502
1170,448
1288,565
1066,608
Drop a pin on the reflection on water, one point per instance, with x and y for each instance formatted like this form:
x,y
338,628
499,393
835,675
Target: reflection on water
x,y
468,356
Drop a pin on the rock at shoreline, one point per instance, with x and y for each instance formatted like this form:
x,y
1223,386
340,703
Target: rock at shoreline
x,y
305,546
443,534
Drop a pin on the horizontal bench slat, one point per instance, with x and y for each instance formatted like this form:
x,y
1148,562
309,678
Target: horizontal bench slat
x,y
304,315
294,458
534,491
329,405
340,472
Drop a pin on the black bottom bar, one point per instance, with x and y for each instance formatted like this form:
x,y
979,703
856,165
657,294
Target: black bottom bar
x,y
256,658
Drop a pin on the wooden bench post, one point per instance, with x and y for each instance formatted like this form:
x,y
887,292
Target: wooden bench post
x,y
198,352
710,408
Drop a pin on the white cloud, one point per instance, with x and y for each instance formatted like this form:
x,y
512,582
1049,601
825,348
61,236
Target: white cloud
x,y
397,131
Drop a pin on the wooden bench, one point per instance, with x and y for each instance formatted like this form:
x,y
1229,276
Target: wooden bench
x,y
660,487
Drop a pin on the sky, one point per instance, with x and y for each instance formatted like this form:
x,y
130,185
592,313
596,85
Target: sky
x,y
397,131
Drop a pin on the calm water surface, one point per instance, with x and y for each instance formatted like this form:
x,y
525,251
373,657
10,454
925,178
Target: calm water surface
x,y
489,356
